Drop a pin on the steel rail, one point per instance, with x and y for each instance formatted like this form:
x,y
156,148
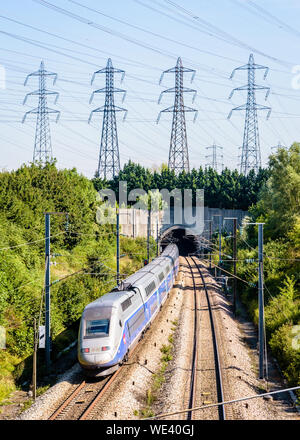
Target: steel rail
x,y
91,406
67,401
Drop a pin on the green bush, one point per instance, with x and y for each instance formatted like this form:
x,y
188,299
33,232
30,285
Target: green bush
x,y
288,357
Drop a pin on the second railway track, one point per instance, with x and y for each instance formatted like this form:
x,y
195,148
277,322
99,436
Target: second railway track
x,y
206,378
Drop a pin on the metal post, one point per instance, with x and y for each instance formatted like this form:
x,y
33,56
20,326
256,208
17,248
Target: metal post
x,y
210,241
261,336
148,237
34,363
157,235
118,247
234,264
47,293
220,242
132,219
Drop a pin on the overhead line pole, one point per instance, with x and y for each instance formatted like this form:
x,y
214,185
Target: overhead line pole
x,y
234,260
47,288
47,294
234,263
118,247
220,240
157,234
261,318
261,335
148,236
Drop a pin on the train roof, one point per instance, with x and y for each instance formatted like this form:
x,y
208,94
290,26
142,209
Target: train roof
x,y
156,266
109,299
138,277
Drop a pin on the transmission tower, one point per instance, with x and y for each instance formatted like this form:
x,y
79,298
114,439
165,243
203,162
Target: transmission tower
x,y
214,164
251,156
178,153
109,159
42,145
277,147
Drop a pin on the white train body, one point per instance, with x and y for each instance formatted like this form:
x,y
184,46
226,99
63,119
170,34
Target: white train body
x,y
113,324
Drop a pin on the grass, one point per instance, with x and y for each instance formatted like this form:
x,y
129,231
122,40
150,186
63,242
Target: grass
x,y
158,378
42,390
7,384
27,404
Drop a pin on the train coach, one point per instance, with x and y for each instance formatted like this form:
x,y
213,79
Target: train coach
x,y
111,326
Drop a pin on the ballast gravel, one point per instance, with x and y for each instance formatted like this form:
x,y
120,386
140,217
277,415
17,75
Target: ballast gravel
x,y
239,368
47,403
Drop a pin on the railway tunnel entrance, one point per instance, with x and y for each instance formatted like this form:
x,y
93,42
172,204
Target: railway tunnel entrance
x,y
187,243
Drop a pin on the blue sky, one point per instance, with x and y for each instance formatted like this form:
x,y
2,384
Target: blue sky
x,y
211,36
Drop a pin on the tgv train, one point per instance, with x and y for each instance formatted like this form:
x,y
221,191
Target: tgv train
x,y
112,325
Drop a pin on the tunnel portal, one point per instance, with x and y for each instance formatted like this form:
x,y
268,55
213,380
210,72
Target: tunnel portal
x,y
187,244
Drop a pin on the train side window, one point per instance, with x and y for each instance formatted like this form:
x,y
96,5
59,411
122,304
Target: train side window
x,y
150,288
125,304
161,276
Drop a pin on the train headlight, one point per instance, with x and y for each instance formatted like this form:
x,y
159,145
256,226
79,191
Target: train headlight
x,y
105,348
85,350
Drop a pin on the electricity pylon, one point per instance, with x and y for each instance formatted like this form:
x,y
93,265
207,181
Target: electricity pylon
x,y
251,156
214,164
178,153
109,158
42,152
279,146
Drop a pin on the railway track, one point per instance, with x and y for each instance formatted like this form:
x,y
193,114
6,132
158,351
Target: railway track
x,y
82,401
206,377
195,347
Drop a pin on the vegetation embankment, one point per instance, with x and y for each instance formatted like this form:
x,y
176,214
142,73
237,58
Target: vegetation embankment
x,y
83,262
278,207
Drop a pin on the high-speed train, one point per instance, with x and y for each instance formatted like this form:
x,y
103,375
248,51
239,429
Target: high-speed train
x,y
111,326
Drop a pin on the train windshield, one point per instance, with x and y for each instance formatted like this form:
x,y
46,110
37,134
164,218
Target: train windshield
x,y
97,322
98,327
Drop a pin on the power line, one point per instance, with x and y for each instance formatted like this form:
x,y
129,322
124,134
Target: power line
x,y
210,29
30,242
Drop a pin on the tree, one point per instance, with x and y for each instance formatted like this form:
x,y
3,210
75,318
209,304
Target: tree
x,y
279,199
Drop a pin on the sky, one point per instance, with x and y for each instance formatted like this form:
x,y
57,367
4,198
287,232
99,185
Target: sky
x,y
144,38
